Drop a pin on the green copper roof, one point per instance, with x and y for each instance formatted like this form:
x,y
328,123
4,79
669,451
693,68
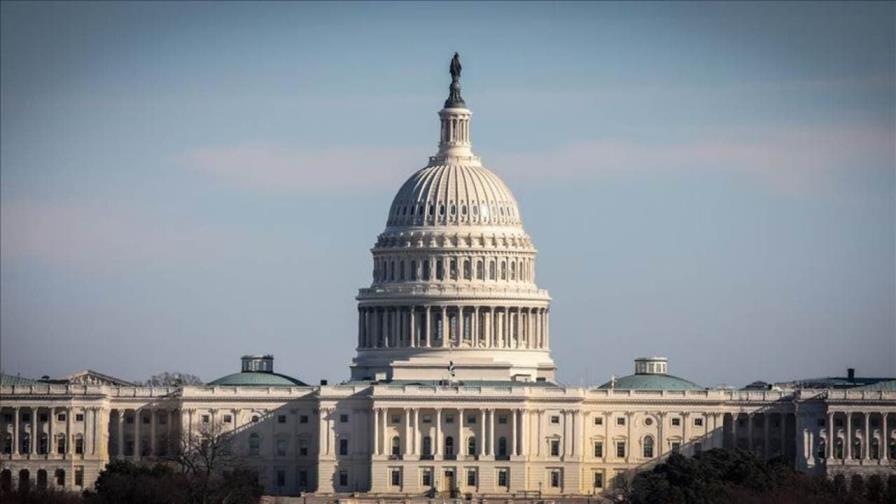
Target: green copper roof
x,y
885,385
652,382
7,380
257,379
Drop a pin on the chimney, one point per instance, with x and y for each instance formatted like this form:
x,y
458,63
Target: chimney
x,y
851,374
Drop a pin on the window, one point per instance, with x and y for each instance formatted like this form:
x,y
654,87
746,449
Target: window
x,y
144,419
396,477
648,447
620,449
343,446
555,447
42,417
449,418
427,446
471,445
7,418
303,419
254,442
620,420
503,477
26,417
648,421
282,446
698,422
599,449
303,479
303,446
396,419
467,270
555,479
480,271
129,419
471,477
79,476
555,419
426,270
698,447
676,421
676,446
426,479
449,446
227,418
396,446
281,418
598,420
343,478
471,419
491,270
440,270
598,480
79,445
281,477
453,269
60,477
254,418
60,445
502,447
427,419
343,418
205,419
502,419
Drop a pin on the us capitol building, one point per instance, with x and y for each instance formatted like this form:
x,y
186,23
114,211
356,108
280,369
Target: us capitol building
x,y
453,386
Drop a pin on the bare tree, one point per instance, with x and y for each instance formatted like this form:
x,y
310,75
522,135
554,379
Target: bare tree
x,y
206,457
172,379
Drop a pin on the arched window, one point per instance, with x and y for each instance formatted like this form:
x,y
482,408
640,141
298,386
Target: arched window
x,y
396,446
467,270
254,443
440,270
512,270
449,445
43,445
502,446
480,270
401,271
60,477
5,480
392,270
413,270
838,448
453,269
427,446
426,270
875,448
471,445
648,447
41,478
491,270
503,270
24,480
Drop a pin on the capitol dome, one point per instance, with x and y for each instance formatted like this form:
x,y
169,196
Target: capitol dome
x,y
453,293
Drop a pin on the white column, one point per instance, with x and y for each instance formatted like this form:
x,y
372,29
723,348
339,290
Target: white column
x,y
35,438
830,437
475,335
848,443
513,441
885,438
408,442
416,431
461,436
491,431
121,433
445,328
413,324
428,330
376,431
437,442
15,430
867,436
137,443
69,441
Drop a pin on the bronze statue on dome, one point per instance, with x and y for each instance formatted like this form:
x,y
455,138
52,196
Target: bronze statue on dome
x,y
454,99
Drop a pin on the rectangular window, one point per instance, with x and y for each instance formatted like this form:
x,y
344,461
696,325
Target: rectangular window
x,y
449,418
303,479
60,445
598,420
396,477
698,447
427,419
426,479
471,477
698,422
555,447
620,420
343,418
598,480
555,479
79,476
144,419
42,417
60,417
502,419
303,447
343,446
281,418
79,446
599,449
503,477
471,419
282,447
343,478
676,421
555,419
620,449
303,419
281,477
676,446
227,418
205,418
396,419
79,417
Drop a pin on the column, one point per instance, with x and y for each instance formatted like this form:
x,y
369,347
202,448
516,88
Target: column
x,y
413,324
152,431
629,445
15,430
750,432
445,331
384,332
524,428
35,439
137,443
685,434
428,331
660,440
437,441
491,432
408,442
783,439
376,431
564,451
513,431
51,448
476,322
574,438
885,438
829,439
848,443
69,441
120,433
867,436
462,439
416,431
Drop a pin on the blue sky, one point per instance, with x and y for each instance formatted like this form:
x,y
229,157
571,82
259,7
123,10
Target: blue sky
x,y
185,183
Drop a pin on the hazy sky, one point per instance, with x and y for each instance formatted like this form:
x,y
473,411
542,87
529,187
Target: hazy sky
x,y
185,183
